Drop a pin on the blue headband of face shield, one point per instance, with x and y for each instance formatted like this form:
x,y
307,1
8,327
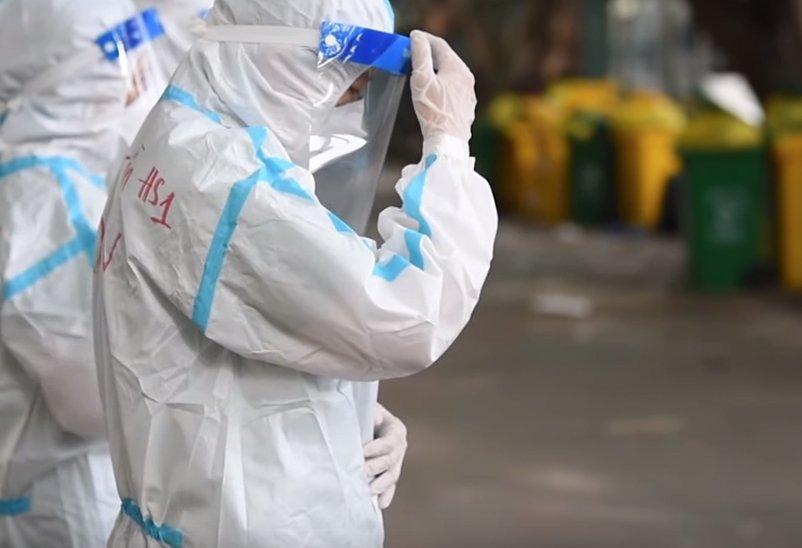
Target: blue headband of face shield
x,y
383,51
130,34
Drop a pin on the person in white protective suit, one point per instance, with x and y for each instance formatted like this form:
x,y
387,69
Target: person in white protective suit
x,y
240,325
62,102
180,19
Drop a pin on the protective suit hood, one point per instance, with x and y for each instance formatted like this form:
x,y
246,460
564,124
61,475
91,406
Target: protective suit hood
x,y
276,86
83,110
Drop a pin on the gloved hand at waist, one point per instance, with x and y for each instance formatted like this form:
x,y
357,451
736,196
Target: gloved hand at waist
x,y
384,456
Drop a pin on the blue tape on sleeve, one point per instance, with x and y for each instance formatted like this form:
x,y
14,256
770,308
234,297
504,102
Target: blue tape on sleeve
x,y
15,507
380,50
218,249
130,34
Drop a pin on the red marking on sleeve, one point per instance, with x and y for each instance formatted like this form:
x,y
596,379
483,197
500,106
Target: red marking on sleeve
x,y
127,173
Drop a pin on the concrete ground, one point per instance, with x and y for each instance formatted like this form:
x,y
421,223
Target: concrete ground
x,y
594,403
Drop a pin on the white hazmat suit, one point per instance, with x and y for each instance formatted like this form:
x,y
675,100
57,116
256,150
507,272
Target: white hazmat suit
x,y
61,102
240,326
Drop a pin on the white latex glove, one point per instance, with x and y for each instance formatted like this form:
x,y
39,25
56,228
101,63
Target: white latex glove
x,y
442,89
384,456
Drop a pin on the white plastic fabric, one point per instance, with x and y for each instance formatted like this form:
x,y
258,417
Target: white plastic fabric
x,y
56,481
181,20
241,327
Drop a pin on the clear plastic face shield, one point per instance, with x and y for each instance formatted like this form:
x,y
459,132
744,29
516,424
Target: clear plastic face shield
x,y
123,46
362,73
349,148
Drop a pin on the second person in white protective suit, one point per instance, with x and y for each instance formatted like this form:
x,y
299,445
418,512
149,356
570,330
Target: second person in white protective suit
x,y
240,325
66,89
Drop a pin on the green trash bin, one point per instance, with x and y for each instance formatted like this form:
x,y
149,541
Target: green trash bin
x,y
485,147
592,167
726,199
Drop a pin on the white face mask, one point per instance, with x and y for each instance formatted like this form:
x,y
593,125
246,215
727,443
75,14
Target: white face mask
x,y
347,119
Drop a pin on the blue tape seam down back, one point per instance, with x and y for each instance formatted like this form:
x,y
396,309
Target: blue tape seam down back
x,y
381,50
130,34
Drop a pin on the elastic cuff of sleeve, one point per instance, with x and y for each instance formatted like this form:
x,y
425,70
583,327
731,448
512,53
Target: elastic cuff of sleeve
x,y
446,145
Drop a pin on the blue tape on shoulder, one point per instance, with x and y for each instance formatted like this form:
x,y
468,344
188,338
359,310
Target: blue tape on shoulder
x,y
183,97
339,224
218,249
130,34
163,533
42,269
276,167
15,507
86,235
3,116
381,50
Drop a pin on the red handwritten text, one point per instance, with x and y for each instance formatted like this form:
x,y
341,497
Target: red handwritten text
x,y
149,193
104,259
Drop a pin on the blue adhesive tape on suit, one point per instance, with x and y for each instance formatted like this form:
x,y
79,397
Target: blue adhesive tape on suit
x,y
15,507
170,536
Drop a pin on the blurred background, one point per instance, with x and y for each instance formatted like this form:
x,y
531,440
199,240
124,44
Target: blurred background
x,y
633,375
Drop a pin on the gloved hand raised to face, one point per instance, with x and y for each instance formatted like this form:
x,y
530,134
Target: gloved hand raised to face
x,y
442,89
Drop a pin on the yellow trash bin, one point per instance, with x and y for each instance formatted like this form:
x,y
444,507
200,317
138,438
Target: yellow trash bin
x,y
585,95
788,157
534,166
646,127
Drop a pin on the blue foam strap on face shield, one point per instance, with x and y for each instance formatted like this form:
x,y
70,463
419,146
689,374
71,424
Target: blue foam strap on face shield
x,y
380,50
130,34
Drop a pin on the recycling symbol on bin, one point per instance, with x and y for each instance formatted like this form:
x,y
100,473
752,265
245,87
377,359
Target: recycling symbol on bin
x,y
727,210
